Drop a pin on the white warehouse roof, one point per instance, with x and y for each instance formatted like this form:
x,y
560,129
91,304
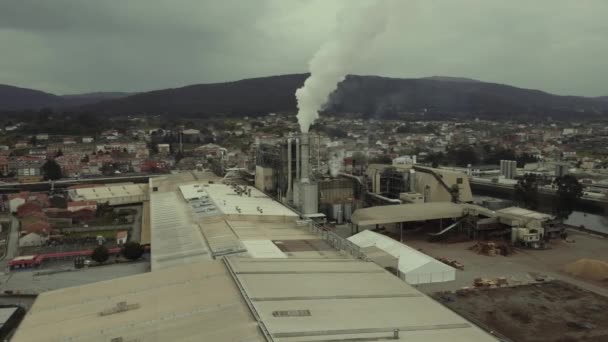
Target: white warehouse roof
x,y
414,267
136,192
227,200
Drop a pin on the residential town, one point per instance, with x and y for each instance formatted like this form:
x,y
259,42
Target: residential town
x,y
143,148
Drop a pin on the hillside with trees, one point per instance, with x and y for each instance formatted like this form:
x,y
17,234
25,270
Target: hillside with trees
x,y
367,96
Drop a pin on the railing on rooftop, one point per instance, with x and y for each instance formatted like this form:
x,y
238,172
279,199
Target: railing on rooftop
x,y
335,240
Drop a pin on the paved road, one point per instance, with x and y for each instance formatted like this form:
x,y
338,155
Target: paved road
x,y
12,243
136,230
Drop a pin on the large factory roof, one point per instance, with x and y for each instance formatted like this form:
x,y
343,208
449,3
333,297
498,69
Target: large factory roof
x,y
197,302
406,213
339,300
293,300
192,221
230,202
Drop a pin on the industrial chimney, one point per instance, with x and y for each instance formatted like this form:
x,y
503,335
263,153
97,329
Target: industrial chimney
x,y
305,163
305,190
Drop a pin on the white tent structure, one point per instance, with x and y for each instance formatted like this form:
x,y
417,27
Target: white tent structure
x,y
414,267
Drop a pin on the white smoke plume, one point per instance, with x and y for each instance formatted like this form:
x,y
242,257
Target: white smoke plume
x,y
357,27
336,163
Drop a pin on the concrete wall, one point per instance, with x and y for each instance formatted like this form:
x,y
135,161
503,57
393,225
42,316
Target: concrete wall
x,y
264,178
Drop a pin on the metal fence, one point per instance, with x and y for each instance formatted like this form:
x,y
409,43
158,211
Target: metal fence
x,y
335,240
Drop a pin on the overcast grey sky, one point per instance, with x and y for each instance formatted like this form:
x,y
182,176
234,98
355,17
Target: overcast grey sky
x,y
64,46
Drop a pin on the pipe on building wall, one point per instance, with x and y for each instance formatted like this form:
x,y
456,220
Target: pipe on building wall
x,y
289,190
297,158
386,199
412,180
348,175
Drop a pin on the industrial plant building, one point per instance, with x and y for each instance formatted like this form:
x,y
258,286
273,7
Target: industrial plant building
x,y
289,169
521,226
231,263
410,183
286,168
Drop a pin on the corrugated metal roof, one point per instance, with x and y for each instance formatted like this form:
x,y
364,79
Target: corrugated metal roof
x,y
341,300
175,235
196,302
406,213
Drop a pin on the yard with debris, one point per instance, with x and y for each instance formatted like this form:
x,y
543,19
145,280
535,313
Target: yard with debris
x,y
552,311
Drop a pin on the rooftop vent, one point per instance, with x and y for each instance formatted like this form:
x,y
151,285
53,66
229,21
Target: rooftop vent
x,y
291,313
120,307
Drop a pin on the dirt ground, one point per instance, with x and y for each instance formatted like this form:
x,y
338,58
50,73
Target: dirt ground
x,y
546,312
519,268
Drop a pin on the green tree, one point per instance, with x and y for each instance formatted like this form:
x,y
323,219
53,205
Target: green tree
x,y
104,209
569,190
132,250
100,254
455,192
494,157
463,156
526,191
383,159
359,161
436,159
178,156
336,132
107,169
51,170
524,159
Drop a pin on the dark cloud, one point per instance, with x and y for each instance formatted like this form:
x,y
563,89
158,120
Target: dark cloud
x,y
68,46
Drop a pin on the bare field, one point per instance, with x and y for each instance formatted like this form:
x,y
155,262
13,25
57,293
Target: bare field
x,y
546,312
519,268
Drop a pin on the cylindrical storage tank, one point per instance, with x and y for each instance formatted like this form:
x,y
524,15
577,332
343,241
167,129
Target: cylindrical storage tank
x,y
412,180
309,200
338,213
348,211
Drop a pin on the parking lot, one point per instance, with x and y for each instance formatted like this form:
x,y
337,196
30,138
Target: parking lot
x,y
31,281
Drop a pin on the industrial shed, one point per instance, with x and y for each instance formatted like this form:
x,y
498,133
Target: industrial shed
x,y
118,194
414,267
406,213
